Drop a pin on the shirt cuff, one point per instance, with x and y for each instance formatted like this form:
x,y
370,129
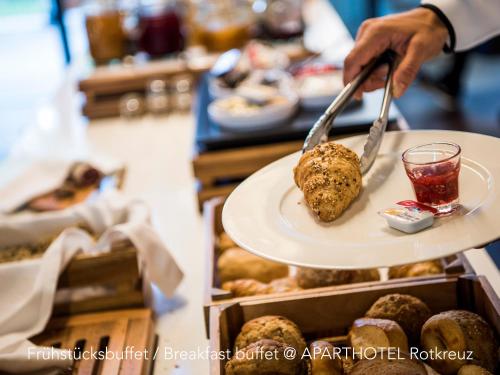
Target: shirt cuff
x,y
450,46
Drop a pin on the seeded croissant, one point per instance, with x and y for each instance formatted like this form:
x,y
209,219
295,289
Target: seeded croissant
x,y
330,178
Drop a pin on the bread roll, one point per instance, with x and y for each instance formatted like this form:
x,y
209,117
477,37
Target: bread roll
x,y
459,332
236,263
384,364
473,370
271,327
253,360
408,311
308,278
323,359
431,267
371,334
225,242
330,178
246,287
285,284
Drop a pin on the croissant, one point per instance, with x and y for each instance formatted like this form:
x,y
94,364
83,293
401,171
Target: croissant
x,y
330,178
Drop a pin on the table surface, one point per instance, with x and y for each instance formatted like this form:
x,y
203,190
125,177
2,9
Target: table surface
x,y
157,152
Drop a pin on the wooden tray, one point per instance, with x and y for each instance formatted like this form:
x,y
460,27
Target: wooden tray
x,y
313,311
214,295
117,271
112,331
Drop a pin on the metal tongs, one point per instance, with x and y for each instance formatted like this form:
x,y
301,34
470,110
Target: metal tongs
x,y
319,132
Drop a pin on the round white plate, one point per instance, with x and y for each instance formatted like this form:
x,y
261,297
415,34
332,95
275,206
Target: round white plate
x,y
266,118
328,87
267,214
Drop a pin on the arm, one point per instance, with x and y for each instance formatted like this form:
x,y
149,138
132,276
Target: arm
x,y
471,21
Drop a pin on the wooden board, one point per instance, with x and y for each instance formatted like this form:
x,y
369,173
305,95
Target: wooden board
x,y
215,295
331,313
117,271
111,331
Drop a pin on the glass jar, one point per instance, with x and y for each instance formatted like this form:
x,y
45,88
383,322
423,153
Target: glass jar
x,y
106,38
160,28
282,19
221,25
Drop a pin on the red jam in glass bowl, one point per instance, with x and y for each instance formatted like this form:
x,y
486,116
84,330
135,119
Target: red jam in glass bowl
x,y
433,169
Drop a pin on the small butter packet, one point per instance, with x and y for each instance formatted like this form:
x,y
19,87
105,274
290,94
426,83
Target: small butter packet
x,y
409,217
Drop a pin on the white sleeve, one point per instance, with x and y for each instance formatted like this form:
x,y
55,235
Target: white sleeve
x,y
473,21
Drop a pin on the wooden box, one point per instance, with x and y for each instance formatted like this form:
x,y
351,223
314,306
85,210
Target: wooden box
x,y
214,295
123,332
115,273
328,313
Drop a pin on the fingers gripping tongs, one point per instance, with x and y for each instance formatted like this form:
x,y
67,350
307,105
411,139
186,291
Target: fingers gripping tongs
x,y
319,132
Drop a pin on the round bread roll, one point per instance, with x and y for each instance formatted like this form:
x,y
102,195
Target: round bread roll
x,y
384,364
330,178
308,278
459,333
236,263
225,242
473,370
271,327
246,287
372,334
264,357
408,311
431,267
323,359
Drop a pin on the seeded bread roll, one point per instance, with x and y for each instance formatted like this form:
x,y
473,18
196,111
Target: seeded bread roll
x,y
264,357
308,278
408,311
367,334
236,263
432,267
324,361
473,370
271,327
460,332
330,178
385,364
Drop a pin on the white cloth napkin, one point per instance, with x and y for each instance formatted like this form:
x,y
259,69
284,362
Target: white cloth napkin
x,y
28,287
28,181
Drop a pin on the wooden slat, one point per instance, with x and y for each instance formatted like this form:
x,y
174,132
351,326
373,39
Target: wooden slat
x,y
105,268
133,328
130,299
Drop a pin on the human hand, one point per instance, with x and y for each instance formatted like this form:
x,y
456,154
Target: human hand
x,y
416,36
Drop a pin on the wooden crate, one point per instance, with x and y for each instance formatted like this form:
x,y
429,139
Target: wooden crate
x,y
213,169
112,331
117,271
331,313
214,295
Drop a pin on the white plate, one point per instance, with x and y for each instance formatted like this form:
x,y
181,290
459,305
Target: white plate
x,y
266,118
267,215
320,90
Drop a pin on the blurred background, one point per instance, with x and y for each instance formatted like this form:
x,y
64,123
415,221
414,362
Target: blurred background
x,y
41,39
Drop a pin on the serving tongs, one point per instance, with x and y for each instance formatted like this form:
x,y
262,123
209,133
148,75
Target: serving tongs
x,y
319,132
